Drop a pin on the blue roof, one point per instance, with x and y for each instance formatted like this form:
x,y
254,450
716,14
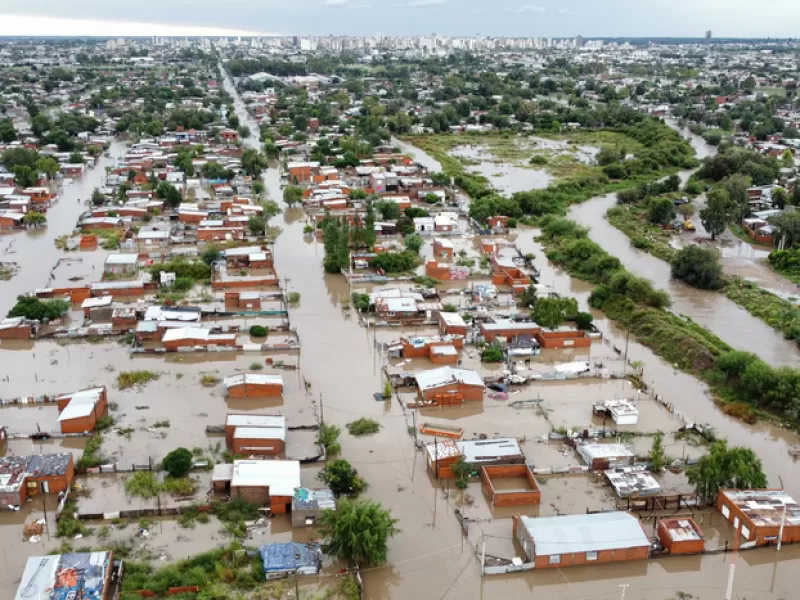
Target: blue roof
x,y
290,556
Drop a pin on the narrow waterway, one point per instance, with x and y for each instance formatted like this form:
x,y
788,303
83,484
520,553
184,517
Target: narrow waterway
x,y
34,250
419,155
429,558
712,310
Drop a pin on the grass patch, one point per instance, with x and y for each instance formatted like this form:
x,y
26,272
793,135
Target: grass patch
x,y
146,484
209,380
363,426
161,424
129,379
91,452
256,366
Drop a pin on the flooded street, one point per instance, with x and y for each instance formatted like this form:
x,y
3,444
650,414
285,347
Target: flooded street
x,y
430,558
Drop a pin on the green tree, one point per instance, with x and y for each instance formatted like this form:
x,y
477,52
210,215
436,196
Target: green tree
x,y
342,478
40,124
34,218
337,246
787,225
19,156
76,158
292,194
779,198
726,468
271,209
7,131
210,255
658,455
660,211
169,193
178,462
389,211
717,213
440,179
48,166
24,176
551,312
257,225
97,198
414,242
31,307
358,531
253,162
699,267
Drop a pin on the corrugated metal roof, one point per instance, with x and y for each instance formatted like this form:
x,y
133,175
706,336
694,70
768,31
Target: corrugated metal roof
x,y
252,379
281,476
443,376
568,534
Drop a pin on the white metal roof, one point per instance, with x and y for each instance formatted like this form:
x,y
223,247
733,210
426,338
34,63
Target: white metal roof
x,y
172,335
122,259
444,350
97,302
240,420
252,379
591,451
476,451
281,476
452,319
569,534
260,433
443,376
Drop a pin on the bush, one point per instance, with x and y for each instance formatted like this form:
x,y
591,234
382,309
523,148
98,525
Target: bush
x,y
129,379
492,354
342,478
33,308
395,262
363,426
583,320
328,437
258,331
539,159
451,308
699,267
208,380
294,297
178,462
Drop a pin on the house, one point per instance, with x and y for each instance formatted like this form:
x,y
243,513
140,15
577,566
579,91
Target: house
x,y
195,337
680,536
438,349
601,457
78,576
80,411
262,435
243,300
97,309
24,476
289,558
621,411
10,219
632,481
571,540
505,272
452,324
508,329
756,515
265,482
17,328
525,487
254,385
449,385
446,271
442,248
121,264
442,455
308,504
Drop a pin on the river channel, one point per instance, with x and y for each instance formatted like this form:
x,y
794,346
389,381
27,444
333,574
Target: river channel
x,y
429,558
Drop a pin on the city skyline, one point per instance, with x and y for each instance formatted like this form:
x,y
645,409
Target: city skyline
x,y
513,18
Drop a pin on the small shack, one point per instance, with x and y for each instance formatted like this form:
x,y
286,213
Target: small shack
x,y
601,457
80,411
289,558
255,435
254,385
510,485
308,504
265,482
680,536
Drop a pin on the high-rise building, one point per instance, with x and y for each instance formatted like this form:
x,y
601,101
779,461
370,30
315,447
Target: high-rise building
x,y
708,36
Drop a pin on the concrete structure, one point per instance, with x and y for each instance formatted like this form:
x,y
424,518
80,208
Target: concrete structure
x,y
22,477
195,337
452,324
84,575
601,457
308,504
254,385
632,481
622,411
266,482
446,385
442,455
570,540
17,328
260,435
526,491
756,515
80,411
121,264
680,536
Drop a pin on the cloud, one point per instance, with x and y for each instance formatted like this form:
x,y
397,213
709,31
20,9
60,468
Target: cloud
x,y
424,3
566,11
335,3
526,8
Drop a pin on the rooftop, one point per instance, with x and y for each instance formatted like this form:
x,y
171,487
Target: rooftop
x,y
252,379
444,376
632,481
291,556
590,451
682,530
64,576
567,534
765,507
281,476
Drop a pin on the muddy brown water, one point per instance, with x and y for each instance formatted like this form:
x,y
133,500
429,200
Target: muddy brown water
x,y
429,558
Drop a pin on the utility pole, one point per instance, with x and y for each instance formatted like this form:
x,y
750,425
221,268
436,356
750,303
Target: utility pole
x,y
483,554
623,587
780,532
321,410
627,339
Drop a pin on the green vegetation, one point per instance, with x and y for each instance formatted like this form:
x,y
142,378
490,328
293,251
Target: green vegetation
x,y
451,308
658,456
256,366
34,218
328,438
551,312
699,267
294,297
360,301
723,467
787,263
178,462
363,426
91,453
462,472
31,307
194,270
68,525
109,238
259,331
358,531
492,354
342,478
209,380
129,379
395,262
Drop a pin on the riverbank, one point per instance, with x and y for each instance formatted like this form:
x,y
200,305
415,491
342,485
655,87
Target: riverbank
x,y
777,312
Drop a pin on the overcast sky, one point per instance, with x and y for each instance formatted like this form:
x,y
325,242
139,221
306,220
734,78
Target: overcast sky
x,y
554,18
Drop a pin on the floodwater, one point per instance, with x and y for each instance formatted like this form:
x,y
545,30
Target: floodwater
x,y
429,558
712,310
419,155
507,177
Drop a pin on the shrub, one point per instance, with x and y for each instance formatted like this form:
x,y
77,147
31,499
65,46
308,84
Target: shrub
x,y
583,320
328,437
208,380
128,379
178,462
699,267
492,354
363,426
451,308
294,297
258,331
342,478
33,308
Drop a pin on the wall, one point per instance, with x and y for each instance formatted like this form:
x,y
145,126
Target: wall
x,y
791,534
604,556
511,498
79,425
467,392
254,495
564,339
510,334
23,332
678,547
255,391
257,447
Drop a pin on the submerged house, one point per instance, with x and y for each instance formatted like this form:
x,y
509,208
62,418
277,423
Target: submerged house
x,y
448,385
79,576
80,411
22,477
289,558
756,515
571,540
261,482
442,455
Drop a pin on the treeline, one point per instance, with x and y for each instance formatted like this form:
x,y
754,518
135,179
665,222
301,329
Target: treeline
x,y
761,169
